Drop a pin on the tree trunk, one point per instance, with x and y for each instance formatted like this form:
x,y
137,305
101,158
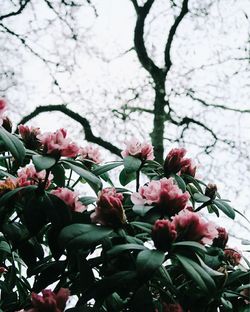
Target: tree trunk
x,y
157,135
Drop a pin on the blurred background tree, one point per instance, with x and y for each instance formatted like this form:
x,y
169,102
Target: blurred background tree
x,y
173,71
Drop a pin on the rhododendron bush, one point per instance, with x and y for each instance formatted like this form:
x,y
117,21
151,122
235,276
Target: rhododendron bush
x,y
67,229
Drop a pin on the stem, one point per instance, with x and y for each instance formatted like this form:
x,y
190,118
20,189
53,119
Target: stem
x,y
74,184
137,180
70,176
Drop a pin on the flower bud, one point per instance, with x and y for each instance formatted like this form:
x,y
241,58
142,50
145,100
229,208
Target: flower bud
x,y
29,136
2,270
163,234
211,190
232,256
222,238
109,210
173,161
7,124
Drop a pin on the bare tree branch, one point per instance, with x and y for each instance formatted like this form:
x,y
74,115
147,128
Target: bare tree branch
x,y
139,42
23,4
184,11
136,6
204,103
89,136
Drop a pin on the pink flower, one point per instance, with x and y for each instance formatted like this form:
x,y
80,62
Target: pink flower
x,y
222,238
175,163
163,192
57,144
188,167
172,196
70,198
144,151
30,136
148,194
191,227
91,153
109,210
233,256
163,234
29,176
3,106
49,301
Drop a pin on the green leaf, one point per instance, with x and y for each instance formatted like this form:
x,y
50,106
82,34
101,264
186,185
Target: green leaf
x,y
148,261
13,144
197,274
43,162
190,244
4,247
87,200
125,177
243,287
59,175
164,273
227,304
208,269
82,235
146,227
51,273
88,176
180,182
226,208
132,164
192,180
141,210
87,277
4,198
200,198
110,284
125,247
241,214
107,167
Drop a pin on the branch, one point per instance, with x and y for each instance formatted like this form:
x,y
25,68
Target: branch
x,y
139,109
89,136
136,6
23,4
184,11
139,43
188,120
217,105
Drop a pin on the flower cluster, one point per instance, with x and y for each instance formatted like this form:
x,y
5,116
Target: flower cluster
x,y
29,176
70,198
57,144
176,163
109,210
164,193
49,301
143,151
25,176
233,256
90,152
186,226
30,136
